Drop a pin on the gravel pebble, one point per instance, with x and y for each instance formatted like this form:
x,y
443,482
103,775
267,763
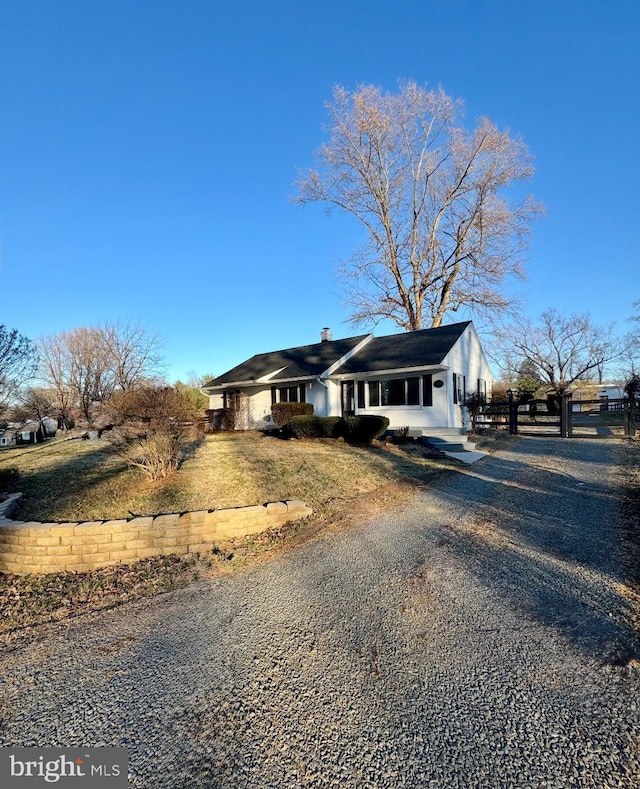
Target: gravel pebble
x,y
477,638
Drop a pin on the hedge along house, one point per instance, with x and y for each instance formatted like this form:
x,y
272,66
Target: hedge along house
x,y
417,379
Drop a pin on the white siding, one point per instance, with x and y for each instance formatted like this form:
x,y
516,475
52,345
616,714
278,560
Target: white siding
x,y
259,405
215,401
335,404
324,399
465,358
316,394
414,416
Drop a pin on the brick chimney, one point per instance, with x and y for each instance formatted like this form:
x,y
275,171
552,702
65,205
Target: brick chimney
x,y
325,334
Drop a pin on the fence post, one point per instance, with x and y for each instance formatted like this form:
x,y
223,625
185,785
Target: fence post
x,y
565,416
513,414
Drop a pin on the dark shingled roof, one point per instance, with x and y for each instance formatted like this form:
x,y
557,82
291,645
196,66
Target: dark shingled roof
x,y
306,360
397,351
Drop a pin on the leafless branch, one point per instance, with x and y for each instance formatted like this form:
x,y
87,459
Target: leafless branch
x,y
431,197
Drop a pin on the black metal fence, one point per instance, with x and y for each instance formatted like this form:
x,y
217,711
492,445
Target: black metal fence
x,y
564,416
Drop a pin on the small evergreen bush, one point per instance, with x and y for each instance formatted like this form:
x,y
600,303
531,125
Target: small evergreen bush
x,y
364,429
306,426
358,429
331,426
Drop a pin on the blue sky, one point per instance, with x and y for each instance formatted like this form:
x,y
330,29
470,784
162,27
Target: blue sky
x,y
148,150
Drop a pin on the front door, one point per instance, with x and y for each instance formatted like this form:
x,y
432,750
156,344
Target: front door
x,y
348,399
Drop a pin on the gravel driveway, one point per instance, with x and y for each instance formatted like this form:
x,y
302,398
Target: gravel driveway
x,y
477,638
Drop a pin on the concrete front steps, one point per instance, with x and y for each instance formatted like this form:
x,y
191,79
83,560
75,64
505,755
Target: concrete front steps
x,y
453,443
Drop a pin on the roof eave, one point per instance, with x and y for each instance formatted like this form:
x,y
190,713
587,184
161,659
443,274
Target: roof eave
x,y
264,381
423,368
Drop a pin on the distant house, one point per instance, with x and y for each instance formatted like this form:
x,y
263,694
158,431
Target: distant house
x,y
7,436
417,379
611,392
611,397
30,433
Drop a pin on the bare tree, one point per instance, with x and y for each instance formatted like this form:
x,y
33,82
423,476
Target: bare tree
x,y
134,351
18,361
55,370
430,195
91,371
76,364
36,403
562,349
87,364
633,340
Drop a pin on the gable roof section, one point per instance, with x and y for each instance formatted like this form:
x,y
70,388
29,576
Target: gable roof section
x,y
423,348
399,351
301,362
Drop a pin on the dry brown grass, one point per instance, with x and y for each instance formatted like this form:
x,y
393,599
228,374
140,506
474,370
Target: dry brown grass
x,y
493,439
85,480
70,480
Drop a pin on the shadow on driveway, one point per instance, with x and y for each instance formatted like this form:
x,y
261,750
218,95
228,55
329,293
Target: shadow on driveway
x,y
548,540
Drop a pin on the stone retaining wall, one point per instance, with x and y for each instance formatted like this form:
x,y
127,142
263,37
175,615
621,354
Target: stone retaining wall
x,y
33,547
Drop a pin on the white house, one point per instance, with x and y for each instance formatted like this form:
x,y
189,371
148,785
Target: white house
x,y
417,379
7,436
611,392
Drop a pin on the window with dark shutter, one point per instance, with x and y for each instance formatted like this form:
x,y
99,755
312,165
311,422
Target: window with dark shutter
x,y
427,390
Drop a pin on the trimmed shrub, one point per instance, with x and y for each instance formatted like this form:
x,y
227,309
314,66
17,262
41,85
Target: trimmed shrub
x,y
364,429
331,426
358,429
283,413
306,426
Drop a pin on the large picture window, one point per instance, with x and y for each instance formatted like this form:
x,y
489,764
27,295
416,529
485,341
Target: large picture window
x,y
394,392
